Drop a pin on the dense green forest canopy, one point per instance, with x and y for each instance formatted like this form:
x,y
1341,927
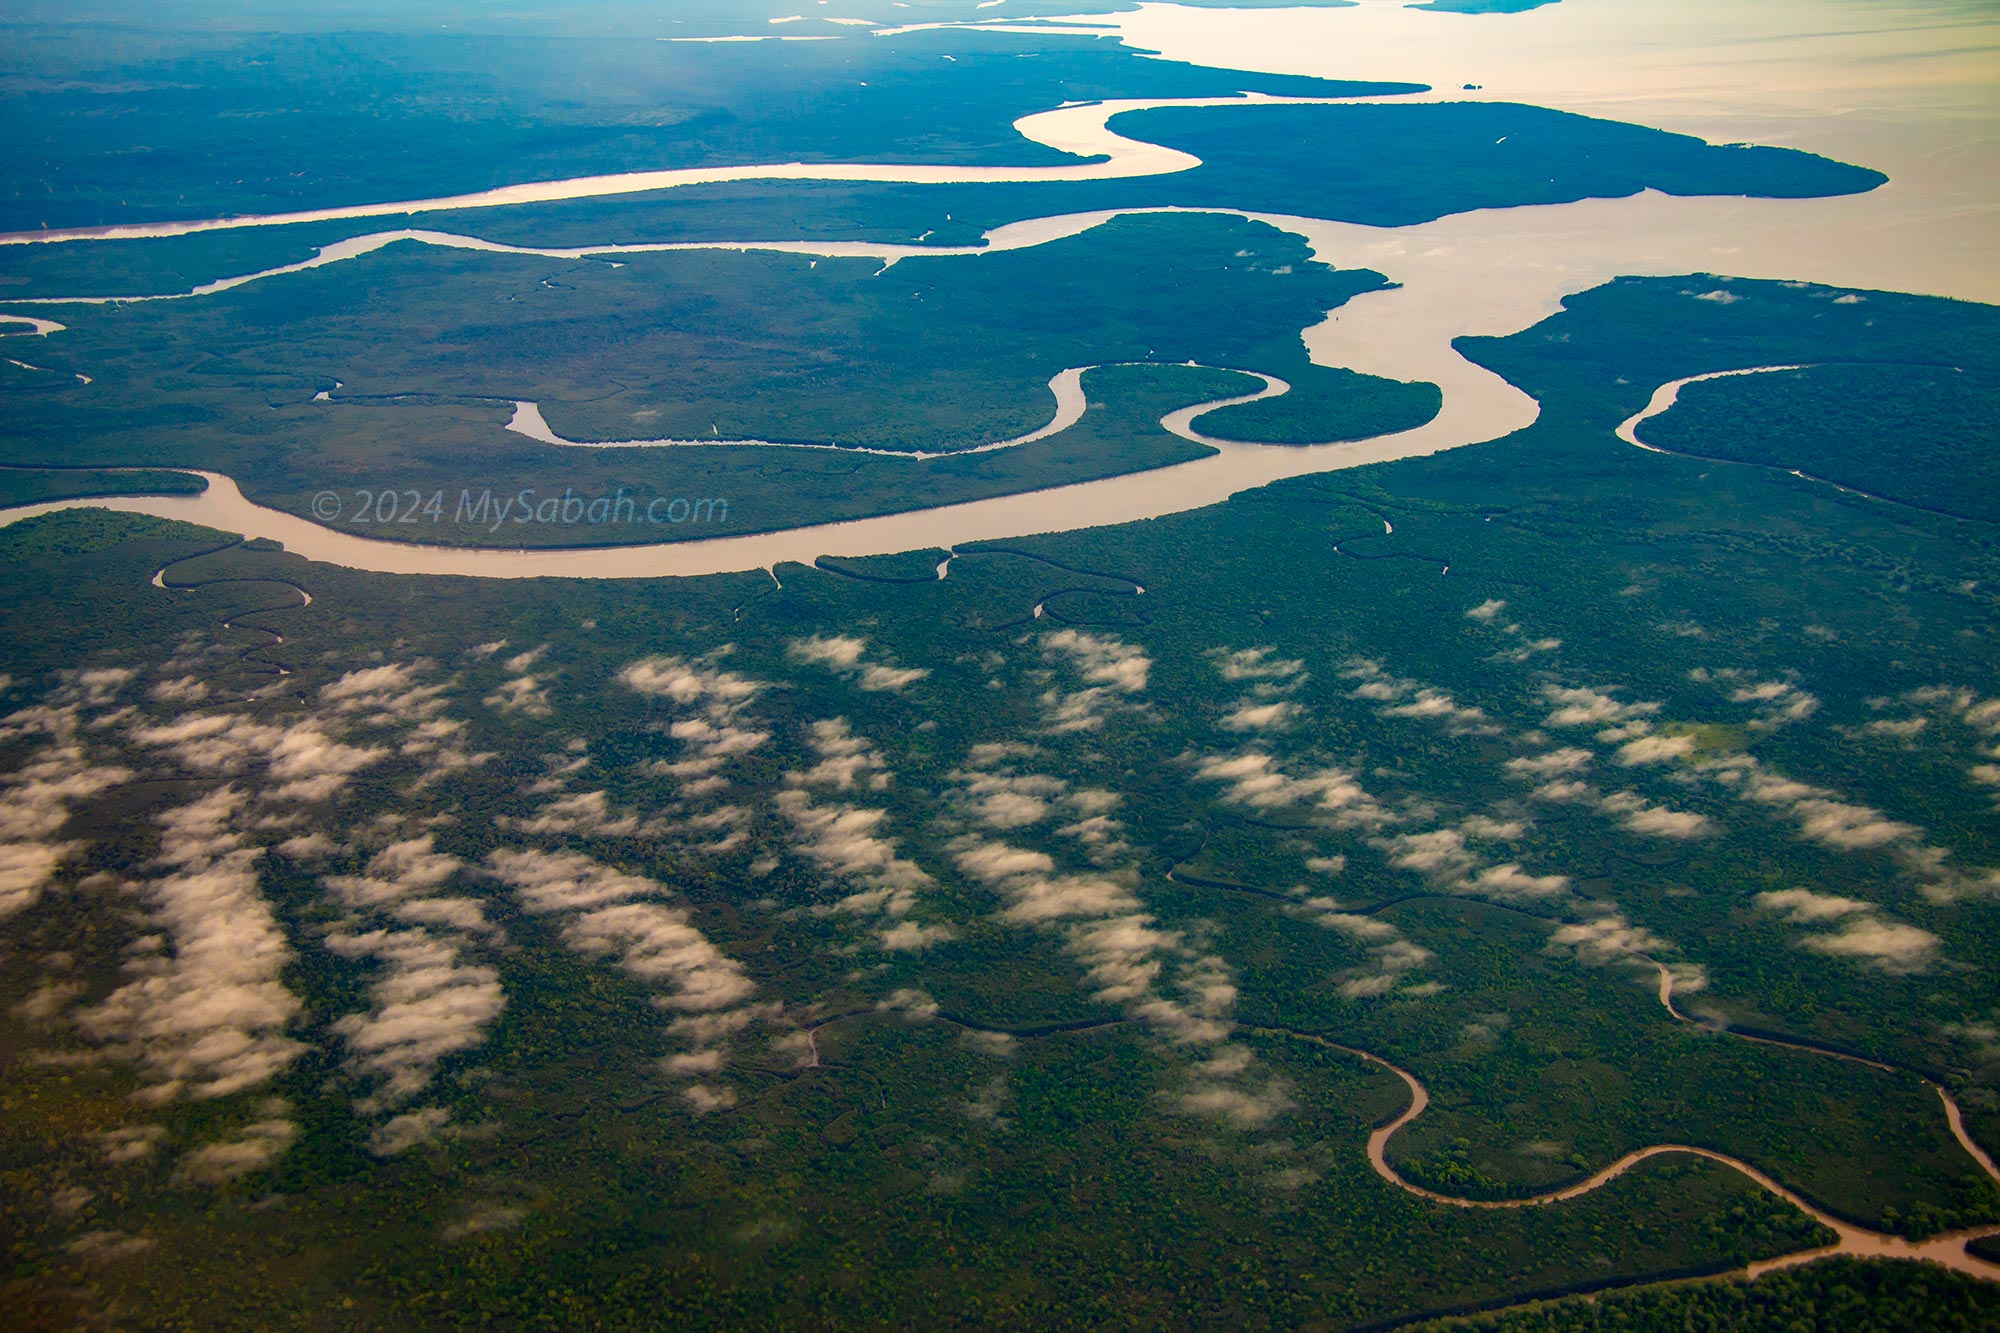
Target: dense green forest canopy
x,y
1522,887
987,1106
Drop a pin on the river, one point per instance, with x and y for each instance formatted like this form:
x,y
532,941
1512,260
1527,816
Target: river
x,y
1905,88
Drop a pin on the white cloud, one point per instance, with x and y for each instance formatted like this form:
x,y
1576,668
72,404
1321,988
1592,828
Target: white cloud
x,y
1183,996
992,862
1892,946
1007,799
1526,649
1240,1107
1102,658
1804,907
525,695
1845,826
35,803
1035,893
384,694
567,881
1607,939
846,842
99,685
846,760
1553,763
879,678
185,690
1778,702
1849,827
719,733
1123,955
1257,664
585,813
1401,697
608,915
1440,852
1510,883
843,654
658,944
131,1143
1889,945
1487,611
396,872
485,1217
426,1005
1588,708
1273,716
688,683
400,1133
1391,957
1822,816
210,1017
304,760
916,1004
1657,821
841,651
1116,669
988,753
465,915
259,1144
909,936
102,1246
1655,750
1254,778
1050,898
703,1099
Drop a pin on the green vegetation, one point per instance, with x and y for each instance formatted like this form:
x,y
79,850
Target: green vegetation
x,y
914,1169
250,123
858,1192
624,19
1380,165
1833,1293
987,950
933,355
1913,434
34,485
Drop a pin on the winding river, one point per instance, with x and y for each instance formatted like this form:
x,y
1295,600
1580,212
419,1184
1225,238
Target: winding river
x,y
1066,386
1079,129
1927,118
1891,84
1948,1249
1477,405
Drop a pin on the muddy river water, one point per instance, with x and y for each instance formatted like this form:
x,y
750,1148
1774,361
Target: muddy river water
x,y
1908,89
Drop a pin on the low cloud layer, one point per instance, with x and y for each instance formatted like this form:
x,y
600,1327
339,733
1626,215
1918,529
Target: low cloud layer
x,y
1116,673
715,726
426,1004
207,1012
1401,697
1255,778
1864,935
845,655
606,913
36,800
